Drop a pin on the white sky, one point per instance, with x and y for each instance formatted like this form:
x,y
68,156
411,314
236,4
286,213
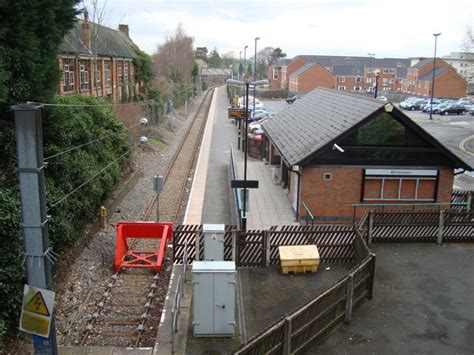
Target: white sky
x,y
397,28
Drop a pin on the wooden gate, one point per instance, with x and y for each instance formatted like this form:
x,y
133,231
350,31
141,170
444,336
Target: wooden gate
x,y
251,248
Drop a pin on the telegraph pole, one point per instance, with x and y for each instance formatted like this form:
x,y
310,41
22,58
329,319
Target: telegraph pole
x,y
29,143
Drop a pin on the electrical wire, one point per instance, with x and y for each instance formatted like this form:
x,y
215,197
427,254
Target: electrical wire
x,y
90,179
88,143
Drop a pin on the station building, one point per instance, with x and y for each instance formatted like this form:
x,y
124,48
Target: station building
x,y
340,154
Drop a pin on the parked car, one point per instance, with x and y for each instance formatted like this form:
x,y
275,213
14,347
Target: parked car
x,y
407,101
469,109
382,98
452,108
427,104
292,99
438,107
414,104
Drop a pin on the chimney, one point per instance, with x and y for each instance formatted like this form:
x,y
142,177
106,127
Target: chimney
x,y
85,31
124,29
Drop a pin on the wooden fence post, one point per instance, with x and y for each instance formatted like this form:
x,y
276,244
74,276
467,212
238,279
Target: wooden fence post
x,y
287,337
372,276
370,228
198,247
440,227
234,244
267,235
349,298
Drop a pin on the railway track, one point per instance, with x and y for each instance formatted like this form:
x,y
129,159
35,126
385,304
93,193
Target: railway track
x,y
126,312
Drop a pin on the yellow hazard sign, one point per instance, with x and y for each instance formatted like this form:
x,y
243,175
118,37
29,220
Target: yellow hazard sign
x,y
36,310
213,237
37,305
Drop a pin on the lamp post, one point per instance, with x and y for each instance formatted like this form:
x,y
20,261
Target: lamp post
x,y
371,55
243,66
240,65
247,86
434,68
255,74
377,72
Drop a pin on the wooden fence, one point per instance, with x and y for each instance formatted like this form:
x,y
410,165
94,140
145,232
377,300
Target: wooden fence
x,y
259,248
417,226
465,197
312,321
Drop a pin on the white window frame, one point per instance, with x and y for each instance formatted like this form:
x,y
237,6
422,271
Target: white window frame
x,y
68,70
341,88
341,79
275,73
400,180
84,75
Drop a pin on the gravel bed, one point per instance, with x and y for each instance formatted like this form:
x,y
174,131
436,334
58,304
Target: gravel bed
x,y
89,273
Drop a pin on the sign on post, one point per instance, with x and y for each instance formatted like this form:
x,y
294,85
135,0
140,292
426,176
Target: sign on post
x,y
36,311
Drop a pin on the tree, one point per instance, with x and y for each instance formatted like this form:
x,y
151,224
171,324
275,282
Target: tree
x,y
144,71
277,54
249,71
214,59
228,59
201,53
175,57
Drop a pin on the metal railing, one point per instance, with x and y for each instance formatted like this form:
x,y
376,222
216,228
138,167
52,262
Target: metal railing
x,y
236,197
309,215
177,298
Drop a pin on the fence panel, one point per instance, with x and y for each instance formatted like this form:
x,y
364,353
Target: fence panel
x,y
251,248
186,234
334,242
270,341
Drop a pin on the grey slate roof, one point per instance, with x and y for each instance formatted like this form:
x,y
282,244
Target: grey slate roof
x,y
282,62
348,70
302,69
322,115
315,120
216,71
422,63
110,42
438,72
330,61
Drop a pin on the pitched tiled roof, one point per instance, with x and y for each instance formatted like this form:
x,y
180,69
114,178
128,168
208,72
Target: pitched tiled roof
x,y
282,61
302,69
330,61
216,71
422,63
110,42
348,70
438,72
315,120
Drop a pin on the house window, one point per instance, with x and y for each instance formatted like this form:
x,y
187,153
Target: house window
x,y
358,80
107,71
341,88
391,81
400,81
369,80
97,73
356,88
120,72
68,69
385,81
125,71
84,74
275,73
341,79
400,188
386,71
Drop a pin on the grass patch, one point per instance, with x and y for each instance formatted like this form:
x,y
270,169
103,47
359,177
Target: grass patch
x,y
156,143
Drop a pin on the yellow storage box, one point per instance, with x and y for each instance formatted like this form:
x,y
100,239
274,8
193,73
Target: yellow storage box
x,y
299,258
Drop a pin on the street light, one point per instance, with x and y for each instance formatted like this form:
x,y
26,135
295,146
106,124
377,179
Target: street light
x,y
371,55
434,68
255,74
240,65
247,85
376,72
243,67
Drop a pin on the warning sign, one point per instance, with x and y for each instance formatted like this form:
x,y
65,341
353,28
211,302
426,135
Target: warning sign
x,y
213,237
36,310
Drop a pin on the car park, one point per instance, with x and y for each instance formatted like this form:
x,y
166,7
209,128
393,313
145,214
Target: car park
x,y
452,108
414,104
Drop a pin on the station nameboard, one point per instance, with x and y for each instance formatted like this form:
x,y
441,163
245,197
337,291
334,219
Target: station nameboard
x,y
236,113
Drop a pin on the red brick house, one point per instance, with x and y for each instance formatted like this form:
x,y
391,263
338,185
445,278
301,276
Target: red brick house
x,y
310,76
337,150
448,83
276,73
353,73
98,61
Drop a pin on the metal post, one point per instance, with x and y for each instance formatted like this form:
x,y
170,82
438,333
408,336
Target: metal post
x,y
372,276
255,74
370,228
349,298
29,143
244,216
243,66
433,80
376,84
287,337
440,227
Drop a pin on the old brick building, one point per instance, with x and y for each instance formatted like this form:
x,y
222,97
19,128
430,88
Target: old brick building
x,y
337,150
98,61
310,76
448,83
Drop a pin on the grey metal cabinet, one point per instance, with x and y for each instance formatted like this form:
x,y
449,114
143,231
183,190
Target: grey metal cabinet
x,y
214,298
213,241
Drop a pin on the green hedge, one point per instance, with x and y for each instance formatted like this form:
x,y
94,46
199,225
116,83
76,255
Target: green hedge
x,y
63,128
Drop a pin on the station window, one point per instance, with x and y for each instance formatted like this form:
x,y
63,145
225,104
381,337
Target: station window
x,y
399,188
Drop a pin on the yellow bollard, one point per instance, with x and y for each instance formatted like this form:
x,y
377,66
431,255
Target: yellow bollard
x,y
103,218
